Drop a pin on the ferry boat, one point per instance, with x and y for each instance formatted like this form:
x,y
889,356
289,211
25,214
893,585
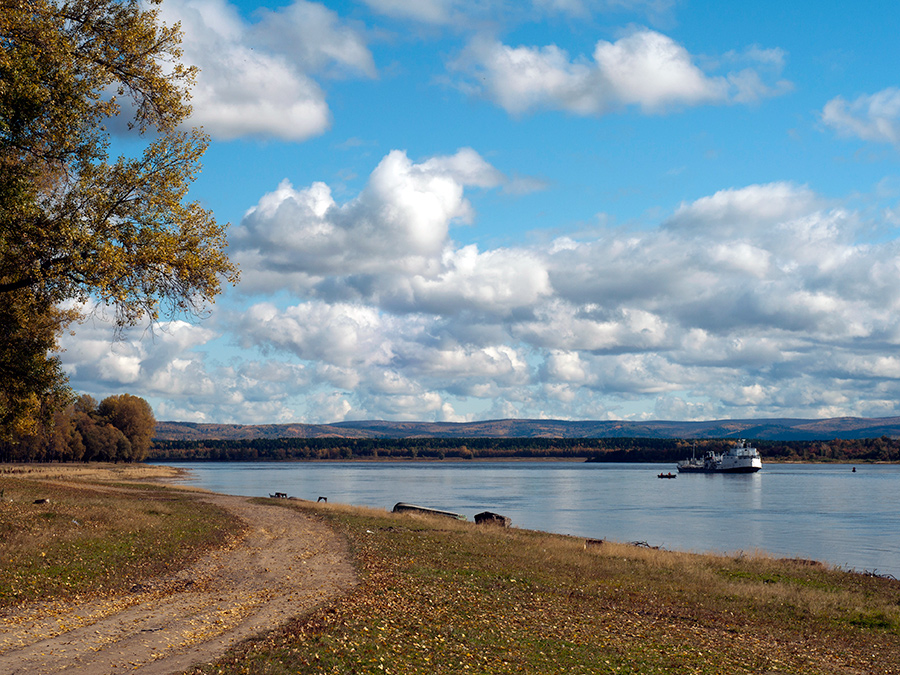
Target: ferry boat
x,y
739,458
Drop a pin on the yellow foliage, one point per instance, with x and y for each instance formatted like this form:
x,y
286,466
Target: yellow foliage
x,y
74,222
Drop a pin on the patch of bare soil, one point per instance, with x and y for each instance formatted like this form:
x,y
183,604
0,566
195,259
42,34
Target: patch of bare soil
x,y
285,565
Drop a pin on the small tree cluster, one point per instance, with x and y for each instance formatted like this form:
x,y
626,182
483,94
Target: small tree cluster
x,y
119,429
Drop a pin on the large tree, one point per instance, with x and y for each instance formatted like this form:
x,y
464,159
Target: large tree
x,y
75,223
32,383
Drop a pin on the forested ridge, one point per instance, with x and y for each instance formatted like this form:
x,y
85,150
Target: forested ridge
x,y
882,449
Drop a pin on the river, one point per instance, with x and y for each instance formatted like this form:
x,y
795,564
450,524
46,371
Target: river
x,y
822,512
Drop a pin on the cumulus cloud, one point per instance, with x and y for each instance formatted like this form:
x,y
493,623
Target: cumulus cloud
x,y
651,70
755,300
645,69
742,259
340,334
874,117
352,344
386,365
169,367
463,14
735,213
94,357
495,281
426,11
404,214
314,38
256,78
392,241
734,297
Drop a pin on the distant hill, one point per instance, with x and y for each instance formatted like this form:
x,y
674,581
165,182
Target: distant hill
x,y
785,429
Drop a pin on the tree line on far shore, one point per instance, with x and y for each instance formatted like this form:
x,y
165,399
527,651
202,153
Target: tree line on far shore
x,y
883,449
118,429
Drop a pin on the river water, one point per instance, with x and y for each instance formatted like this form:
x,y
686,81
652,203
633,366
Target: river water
x,y
822,512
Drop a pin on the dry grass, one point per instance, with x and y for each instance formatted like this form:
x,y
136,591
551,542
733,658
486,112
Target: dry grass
x,y
91,472
90,538
441,596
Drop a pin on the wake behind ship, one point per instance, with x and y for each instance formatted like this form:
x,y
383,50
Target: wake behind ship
x,y
739,458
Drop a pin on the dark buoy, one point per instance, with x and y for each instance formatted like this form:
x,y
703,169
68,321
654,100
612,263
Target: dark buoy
x,y
854,470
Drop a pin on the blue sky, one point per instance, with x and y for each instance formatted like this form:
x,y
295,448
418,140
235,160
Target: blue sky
x,y
578,209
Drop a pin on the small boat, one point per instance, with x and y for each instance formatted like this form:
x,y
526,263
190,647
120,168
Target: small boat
x,y
739,458
403,507
668,475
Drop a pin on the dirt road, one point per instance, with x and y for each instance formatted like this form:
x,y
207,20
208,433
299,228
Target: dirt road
x,y
285,565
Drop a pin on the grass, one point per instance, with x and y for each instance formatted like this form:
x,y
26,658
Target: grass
x,y
440,596
93,538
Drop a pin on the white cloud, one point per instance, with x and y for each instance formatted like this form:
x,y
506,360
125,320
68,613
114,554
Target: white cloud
x,y
566,366
757,285
463,14
93,355
756,74
520,79
425,11
339,334
645,68
744,212
756,300
314,39
170,369
653,71
491,363
405,212
255,79
491,281
331,406
586,328
392,240
875,117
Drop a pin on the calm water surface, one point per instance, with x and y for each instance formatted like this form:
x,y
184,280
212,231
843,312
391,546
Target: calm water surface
x,y
823,512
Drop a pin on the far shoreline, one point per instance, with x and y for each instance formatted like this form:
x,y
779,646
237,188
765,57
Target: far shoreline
x,y
475,460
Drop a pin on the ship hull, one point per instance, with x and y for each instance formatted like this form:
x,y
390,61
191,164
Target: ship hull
x,y
739,469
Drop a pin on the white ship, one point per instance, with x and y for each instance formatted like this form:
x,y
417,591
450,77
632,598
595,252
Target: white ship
x,y
739,458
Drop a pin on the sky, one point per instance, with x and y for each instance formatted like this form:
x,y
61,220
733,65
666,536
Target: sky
x,y
572,209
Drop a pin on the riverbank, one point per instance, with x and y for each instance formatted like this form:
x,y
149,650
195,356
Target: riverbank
x,y
441,596
92,471
102,574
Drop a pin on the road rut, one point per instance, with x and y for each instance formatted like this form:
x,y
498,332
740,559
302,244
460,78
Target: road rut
x,y
285,565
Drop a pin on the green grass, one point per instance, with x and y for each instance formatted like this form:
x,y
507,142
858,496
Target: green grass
x,y
445,597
